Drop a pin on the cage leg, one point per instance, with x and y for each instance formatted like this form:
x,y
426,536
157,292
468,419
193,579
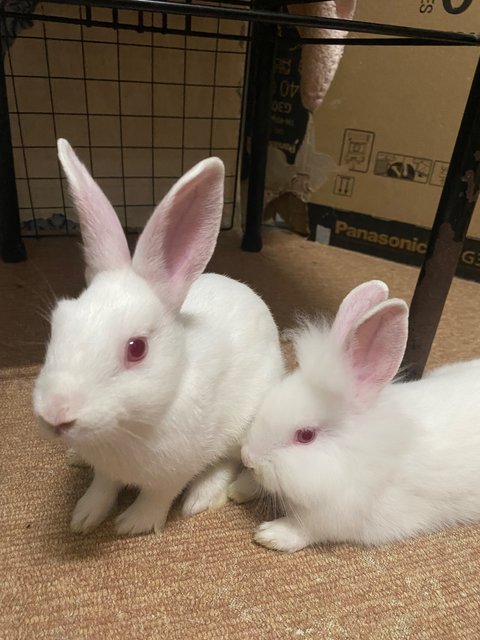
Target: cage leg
x,y
259,98
455,209
12,248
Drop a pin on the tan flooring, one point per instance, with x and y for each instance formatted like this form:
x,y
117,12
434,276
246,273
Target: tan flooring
x,y
204,577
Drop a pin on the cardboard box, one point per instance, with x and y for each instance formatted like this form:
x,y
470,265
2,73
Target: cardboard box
x,y
389,124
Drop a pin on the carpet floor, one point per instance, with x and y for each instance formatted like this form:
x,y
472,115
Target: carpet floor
x,y
204,578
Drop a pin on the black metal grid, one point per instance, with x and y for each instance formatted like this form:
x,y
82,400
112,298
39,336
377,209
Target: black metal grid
x,y
40,216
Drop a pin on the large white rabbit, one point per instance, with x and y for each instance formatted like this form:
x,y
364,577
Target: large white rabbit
x,y
354,458
154,372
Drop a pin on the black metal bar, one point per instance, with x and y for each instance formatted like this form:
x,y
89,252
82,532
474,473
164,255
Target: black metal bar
x,y
243,129
260,91
237,37
459,196
12,247
272,17
385,41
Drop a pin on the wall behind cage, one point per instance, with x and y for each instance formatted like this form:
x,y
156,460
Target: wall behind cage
x,y
139,108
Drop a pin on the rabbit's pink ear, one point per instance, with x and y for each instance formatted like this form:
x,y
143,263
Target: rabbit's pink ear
x,y
356,304
104,242
375,347
179,239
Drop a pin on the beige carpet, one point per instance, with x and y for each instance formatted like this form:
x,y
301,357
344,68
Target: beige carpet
x,y
204,578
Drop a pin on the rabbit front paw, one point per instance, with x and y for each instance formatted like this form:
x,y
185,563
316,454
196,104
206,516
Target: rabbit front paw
x,y
143,516
244,488
281,535
95,505
208,492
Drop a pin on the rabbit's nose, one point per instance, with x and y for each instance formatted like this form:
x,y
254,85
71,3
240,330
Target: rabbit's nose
x,y
58,415
58,419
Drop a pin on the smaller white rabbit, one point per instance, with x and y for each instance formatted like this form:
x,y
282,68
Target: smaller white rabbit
x,y
354,458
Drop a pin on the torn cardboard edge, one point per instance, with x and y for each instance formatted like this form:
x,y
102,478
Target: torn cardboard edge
x,y
389,239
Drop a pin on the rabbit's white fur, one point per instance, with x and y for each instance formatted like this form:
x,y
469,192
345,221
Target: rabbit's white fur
x,y
177,415
400,462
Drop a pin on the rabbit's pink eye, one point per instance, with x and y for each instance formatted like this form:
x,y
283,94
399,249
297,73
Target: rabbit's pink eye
x,y
136,349
305,436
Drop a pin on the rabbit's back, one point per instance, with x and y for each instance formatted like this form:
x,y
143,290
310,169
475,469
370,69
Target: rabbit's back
x,y
437,477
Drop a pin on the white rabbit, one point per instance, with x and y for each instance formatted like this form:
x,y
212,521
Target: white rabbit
x,y
154,372
354,458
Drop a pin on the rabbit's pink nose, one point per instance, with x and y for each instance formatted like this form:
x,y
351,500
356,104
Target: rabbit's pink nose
x,y
59,415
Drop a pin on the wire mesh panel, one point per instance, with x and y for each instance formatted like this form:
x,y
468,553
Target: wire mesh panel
x,y
141,96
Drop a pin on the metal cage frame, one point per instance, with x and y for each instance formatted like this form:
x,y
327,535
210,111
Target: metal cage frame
x,y
264,17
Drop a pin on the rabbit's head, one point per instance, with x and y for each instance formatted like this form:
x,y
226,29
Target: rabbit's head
x,y
297,445
116,353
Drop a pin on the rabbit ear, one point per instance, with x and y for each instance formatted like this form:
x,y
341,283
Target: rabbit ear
x,y
376,345
179,239
104,242
356,304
